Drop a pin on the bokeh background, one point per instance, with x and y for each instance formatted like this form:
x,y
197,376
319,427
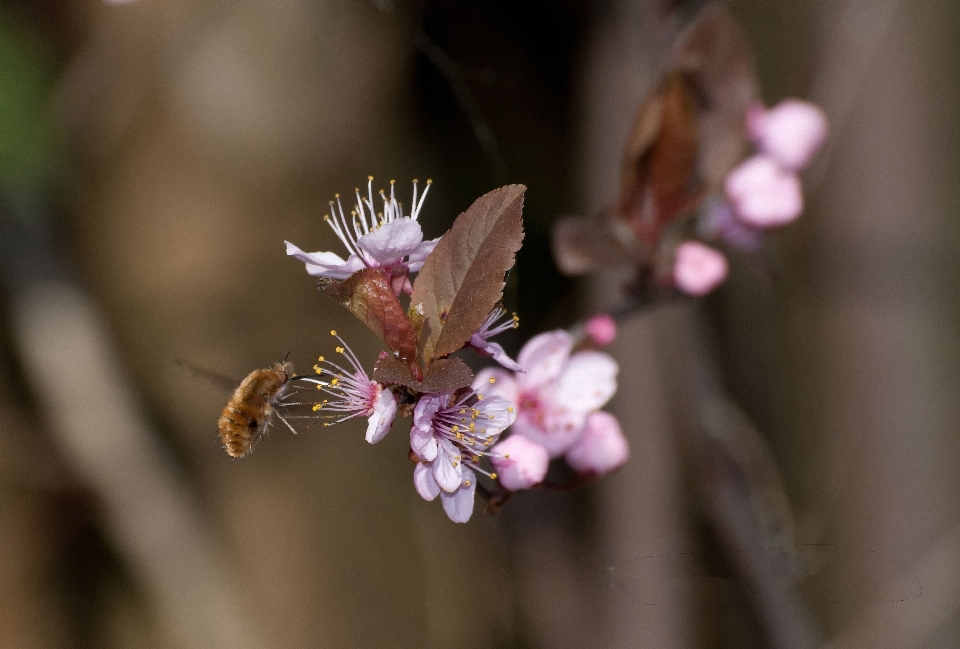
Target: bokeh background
x,y
155,154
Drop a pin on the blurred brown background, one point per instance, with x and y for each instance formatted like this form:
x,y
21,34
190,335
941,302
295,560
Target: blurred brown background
x,y
153,157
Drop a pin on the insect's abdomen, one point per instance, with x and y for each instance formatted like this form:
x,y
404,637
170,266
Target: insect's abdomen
x,y
247,414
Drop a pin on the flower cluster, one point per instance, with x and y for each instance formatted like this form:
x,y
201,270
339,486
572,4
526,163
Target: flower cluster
x,y
685,185
550,395
761,193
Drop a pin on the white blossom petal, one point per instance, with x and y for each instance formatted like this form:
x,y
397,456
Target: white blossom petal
x,y
448,467
380,420
424,482
496,415
392,241
326,264
496,351
420,254
459,504
587,382
543,358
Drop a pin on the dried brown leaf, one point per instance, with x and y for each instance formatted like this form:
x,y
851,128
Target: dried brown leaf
x,y
462,279
443,375
367,293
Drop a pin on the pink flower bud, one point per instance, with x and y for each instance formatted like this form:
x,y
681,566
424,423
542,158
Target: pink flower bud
x,y
520,463
601,329
602,448
792,131
698,269
763,193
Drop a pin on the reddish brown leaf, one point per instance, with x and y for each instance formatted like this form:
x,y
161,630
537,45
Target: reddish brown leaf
x,y
659,174
715,55
444,375
368,295
462,279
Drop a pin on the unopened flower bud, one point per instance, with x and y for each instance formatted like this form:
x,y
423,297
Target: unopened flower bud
x,y
763,193
698,269
792,131
602,448
601,329
520,463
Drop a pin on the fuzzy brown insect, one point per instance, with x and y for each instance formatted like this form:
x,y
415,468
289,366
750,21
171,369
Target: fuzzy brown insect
x,y
249,412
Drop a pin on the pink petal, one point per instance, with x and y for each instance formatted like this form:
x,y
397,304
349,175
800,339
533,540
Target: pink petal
x,y
763,193
602,448
792,131
587,382
698,269
424,483
459,504
601,329
326,264
543,358
503,384
384,410
422,440
556,431
523,465
391,241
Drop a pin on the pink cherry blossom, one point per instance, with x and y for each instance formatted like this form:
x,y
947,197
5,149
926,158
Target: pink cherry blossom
x,y
556,391
601,449
601,329
520,463
791,132
450,434
490,328
354,394
764,194
698,269
386,240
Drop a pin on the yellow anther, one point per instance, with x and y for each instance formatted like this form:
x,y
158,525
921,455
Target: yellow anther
x,y
493,476
479,397
333,332
339,350
334,381
317,407
506,456
492,417
326,423
318,369
321,359
510,409
455,428
326,217
493,379
392,182
462,411
476,458
466,483
429,182
370,178
336,195
415,180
